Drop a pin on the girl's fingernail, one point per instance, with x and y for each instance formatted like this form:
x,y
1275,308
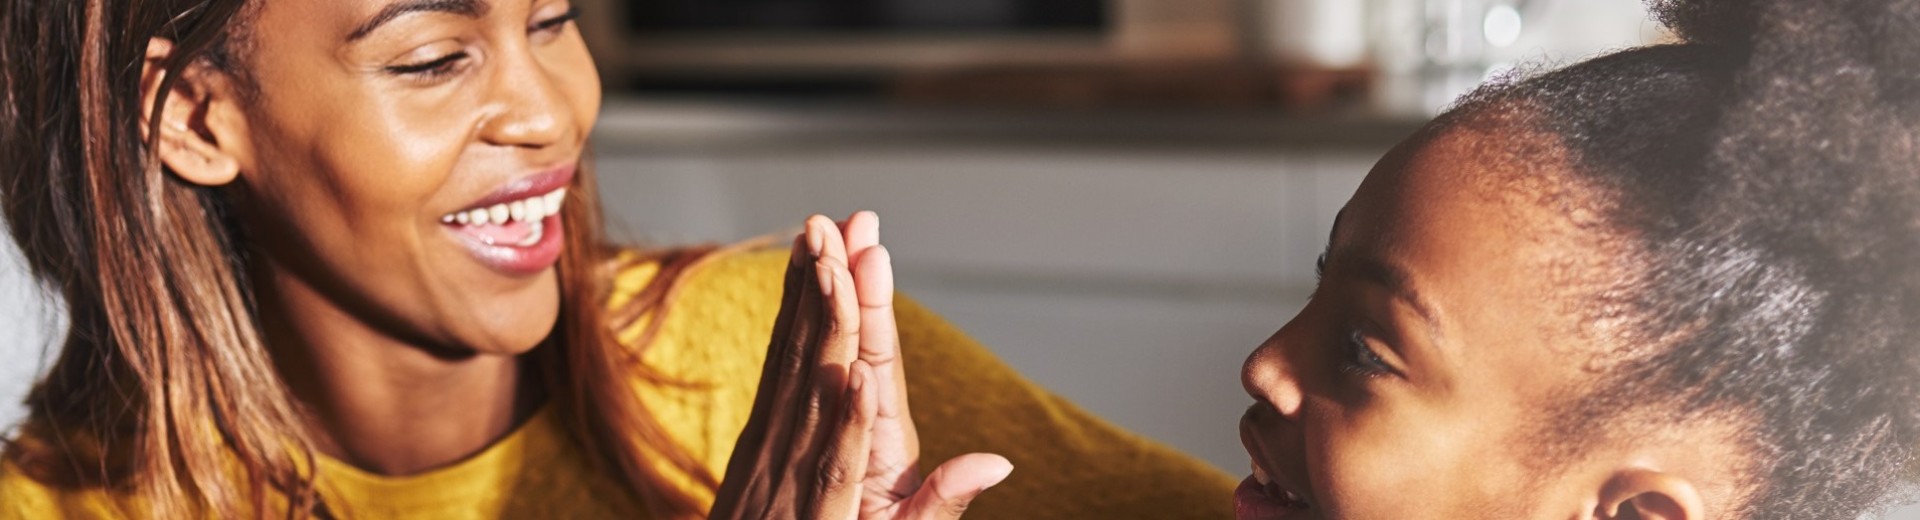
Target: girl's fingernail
x,y
816,240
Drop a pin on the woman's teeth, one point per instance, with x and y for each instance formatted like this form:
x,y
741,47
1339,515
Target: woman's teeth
x,y
531,209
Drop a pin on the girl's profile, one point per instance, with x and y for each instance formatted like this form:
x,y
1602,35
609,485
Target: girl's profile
x,y
1670,282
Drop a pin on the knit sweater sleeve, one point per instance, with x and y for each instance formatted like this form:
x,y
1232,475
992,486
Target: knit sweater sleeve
x,y
1068,463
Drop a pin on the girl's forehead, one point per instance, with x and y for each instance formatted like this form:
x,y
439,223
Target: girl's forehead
x,y
1485,234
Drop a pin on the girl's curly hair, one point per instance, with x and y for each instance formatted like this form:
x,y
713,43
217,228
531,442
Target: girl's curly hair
x,y
1766,172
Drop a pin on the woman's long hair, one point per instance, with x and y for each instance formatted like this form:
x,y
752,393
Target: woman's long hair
x,y
164,390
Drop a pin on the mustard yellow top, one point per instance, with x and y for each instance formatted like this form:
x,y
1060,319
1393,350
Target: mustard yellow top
x,y
1069,464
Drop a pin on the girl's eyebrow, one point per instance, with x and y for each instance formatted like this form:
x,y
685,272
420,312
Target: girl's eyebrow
x,y
467,8
1391,275
1396,280
1399,283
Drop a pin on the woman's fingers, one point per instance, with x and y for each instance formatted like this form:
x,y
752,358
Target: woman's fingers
x,y
841,344
794,369
837,347
838,342
838,482
753,478
953,486
770,369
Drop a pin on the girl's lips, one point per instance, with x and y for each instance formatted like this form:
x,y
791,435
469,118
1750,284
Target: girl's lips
x,y
1263,496
1253,501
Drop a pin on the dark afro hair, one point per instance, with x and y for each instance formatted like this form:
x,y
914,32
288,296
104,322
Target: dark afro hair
x,y
1766,171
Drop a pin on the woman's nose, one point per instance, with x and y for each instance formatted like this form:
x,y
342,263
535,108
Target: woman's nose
x,y
532,109
1269,377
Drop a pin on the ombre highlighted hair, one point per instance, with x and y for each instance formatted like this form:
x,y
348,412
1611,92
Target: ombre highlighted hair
x,y
163,390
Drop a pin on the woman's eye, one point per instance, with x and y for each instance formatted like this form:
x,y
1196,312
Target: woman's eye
x,y
557,23
1360,359
440,66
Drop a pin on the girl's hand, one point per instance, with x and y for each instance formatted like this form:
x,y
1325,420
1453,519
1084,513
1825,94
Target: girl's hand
x,y
830,436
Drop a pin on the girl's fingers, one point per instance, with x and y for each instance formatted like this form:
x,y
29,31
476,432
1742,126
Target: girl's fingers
x,y
862,231
953,486
879,334
843,463
896,447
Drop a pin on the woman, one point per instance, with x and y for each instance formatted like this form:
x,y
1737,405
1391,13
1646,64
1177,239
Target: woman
x,y
341,259
1674,282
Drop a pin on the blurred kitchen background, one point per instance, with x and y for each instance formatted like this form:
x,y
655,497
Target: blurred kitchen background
x,y
1120,197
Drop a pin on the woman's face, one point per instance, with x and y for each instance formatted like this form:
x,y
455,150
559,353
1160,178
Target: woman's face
x,y
1412,383
407,158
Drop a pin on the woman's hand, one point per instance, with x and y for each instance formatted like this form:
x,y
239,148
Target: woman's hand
x,y
830,436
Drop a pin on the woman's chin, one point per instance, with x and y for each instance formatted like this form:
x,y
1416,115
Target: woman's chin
x,y
512,327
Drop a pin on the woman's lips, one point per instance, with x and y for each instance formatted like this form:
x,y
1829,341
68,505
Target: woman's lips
x,y
536,248
517,229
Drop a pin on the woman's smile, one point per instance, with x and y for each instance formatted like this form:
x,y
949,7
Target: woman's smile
x,y
516,229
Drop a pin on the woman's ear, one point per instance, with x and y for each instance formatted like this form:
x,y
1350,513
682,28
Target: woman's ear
x,y
1644,494
201,132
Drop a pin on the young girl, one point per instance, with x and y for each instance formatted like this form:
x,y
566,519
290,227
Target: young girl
x,y
341,259
1674,282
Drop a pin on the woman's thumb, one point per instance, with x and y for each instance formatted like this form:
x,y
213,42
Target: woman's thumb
x,y
952,487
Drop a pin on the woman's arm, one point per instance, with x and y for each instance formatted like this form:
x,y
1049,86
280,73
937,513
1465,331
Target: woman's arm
x,y
1072,463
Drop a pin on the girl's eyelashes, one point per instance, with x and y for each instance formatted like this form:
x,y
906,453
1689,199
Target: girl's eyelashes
x,y
1360,359
433,68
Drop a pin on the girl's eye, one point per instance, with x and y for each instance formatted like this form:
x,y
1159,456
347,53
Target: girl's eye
x,y
557,23
1360,359
433,68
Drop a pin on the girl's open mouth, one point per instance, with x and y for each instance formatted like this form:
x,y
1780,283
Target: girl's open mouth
x,y
1260,498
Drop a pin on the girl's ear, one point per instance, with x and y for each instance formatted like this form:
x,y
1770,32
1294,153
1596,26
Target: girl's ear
x,y
202,132
1644,494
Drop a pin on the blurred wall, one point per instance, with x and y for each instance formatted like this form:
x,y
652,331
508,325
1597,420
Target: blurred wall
x,y
27,327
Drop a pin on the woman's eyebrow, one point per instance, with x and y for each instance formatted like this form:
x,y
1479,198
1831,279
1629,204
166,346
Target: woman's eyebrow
x,y
467,8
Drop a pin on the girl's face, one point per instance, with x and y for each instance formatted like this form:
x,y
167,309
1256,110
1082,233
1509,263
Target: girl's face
x,y
1413,382
405,162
